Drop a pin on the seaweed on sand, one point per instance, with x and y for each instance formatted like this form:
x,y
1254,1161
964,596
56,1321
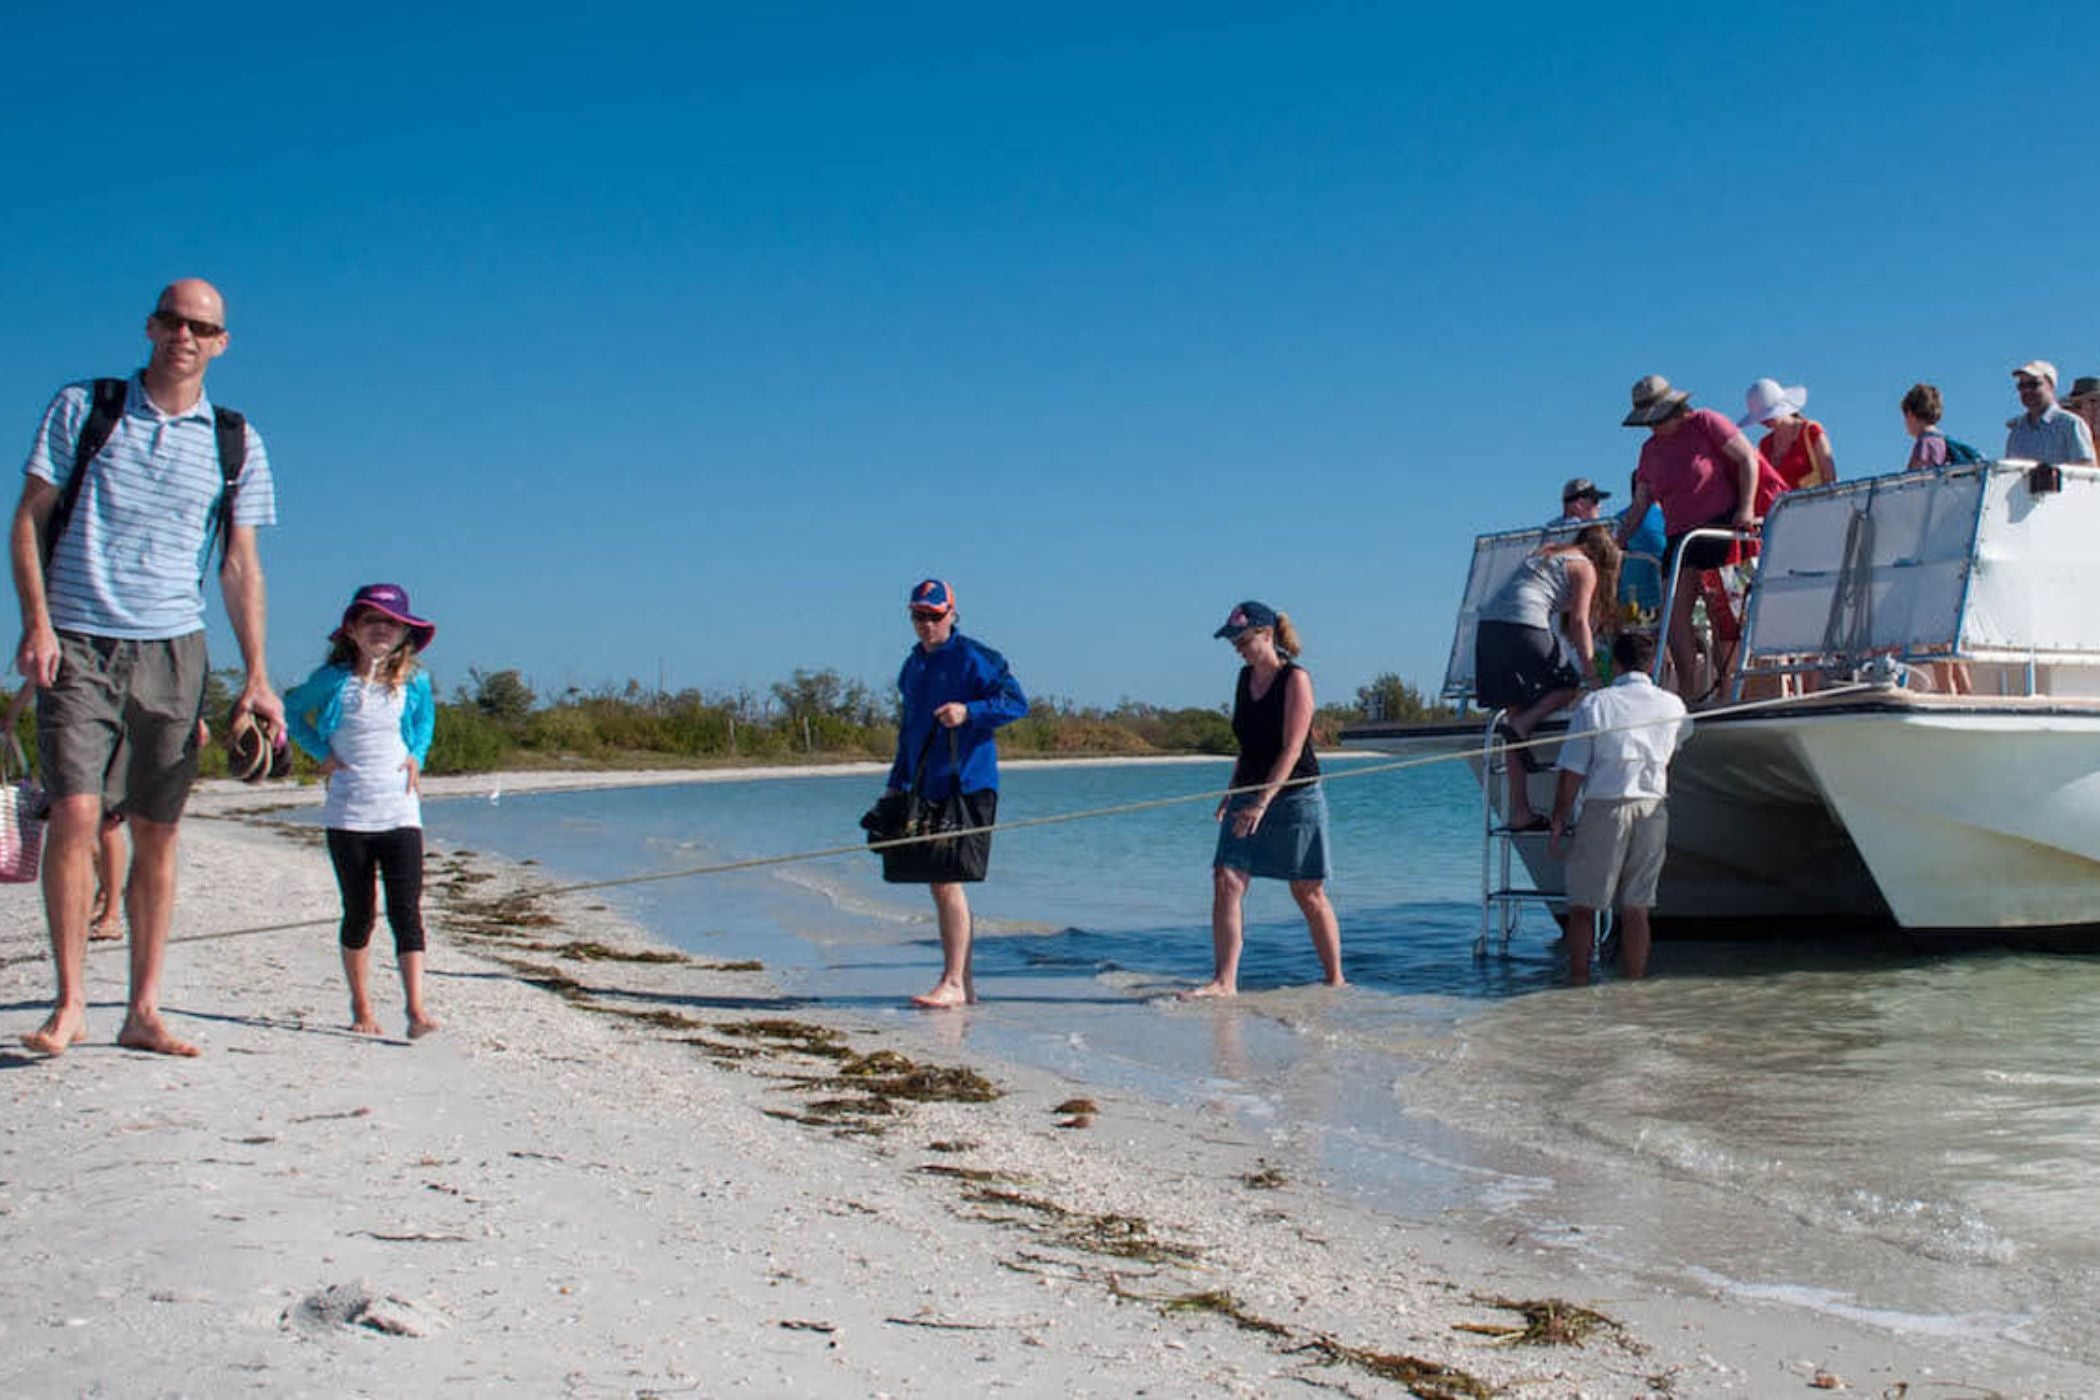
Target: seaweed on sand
x,y
1430,1380
1548,1322
1122,1236
800,1036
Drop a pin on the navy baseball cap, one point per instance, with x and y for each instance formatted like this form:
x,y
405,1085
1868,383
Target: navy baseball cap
x,y
1246,617
932,595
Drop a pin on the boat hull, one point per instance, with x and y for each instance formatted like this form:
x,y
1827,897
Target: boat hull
x,y
1888,813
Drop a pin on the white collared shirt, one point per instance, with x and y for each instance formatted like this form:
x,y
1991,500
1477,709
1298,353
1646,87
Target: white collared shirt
x,y
1642,727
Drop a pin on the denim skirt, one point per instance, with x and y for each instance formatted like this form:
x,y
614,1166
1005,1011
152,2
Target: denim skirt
x,y
1290,843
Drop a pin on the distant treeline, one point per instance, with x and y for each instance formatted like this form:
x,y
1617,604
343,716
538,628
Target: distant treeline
x,y
496,721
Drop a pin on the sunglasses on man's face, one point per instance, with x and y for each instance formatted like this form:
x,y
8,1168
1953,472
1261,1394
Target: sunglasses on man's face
x,y
917,616
175,321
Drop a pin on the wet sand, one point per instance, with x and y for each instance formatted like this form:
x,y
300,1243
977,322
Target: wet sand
x,y
612,1175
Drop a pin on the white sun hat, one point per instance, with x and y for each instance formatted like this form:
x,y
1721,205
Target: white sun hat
x,y
1766,399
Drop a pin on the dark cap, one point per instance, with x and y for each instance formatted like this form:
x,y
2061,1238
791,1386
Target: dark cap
x,y
932,595
1580,486
1245,618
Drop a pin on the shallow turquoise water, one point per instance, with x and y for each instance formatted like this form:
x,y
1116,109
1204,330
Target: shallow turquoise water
x,y
1913,1138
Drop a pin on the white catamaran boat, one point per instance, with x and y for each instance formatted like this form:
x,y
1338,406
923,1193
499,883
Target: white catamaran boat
x,y
1894,804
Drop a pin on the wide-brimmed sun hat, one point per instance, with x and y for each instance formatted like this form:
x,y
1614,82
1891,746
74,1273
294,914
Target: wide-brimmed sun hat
x,y
1653,401
2084,386
1767,399
389,600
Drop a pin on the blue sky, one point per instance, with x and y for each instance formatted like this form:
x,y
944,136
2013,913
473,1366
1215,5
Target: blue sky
x,y
686,337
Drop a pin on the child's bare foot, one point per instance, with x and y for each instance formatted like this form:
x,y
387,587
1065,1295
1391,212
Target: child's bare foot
x,y
364,1022
420,1026
149,1034
944,995
61,1031
105,930
1212,988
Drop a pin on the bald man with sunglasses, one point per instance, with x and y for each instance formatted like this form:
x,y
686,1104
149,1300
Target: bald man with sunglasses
x,y
109,558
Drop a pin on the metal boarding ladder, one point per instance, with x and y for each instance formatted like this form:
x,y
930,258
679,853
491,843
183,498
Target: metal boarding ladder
x,y
1502,900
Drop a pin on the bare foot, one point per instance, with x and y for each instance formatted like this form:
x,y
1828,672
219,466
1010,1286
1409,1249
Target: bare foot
x,y
364,1022
420,1026
943,996
150,1035
105,930
61,1031
1212,988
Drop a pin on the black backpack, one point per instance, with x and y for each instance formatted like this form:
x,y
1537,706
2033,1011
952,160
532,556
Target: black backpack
x,y
106,407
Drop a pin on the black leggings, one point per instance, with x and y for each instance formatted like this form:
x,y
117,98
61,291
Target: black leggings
x,y
397,857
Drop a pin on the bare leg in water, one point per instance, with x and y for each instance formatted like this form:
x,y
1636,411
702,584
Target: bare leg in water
x,y
956,987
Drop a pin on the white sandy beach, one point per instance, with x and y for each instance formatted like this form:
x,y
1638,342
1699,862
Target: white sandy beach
x,y
618,1178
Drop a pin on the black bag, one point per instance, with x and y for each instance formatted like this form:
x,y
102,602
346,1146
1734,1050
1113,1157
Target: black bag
x,y
899,815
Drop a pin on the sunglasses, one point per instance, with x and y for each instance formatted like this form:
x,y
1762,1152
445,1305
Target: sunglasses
x,y
917,616
175,321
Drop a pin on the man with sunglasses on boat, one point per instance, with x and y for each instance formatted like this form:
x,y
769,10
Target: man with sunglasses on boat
x,y
2045,432
109,549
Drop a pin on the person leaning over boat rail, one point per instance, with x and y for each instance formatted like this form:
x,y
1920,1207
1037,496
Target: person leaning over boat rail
x,y
1278,830
1617,758
1705,475
952,682
1519,664
2045,432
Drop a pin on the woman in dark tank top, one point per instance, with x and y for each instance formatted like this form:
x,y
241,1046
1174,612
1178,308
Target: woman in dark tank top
x,y
1277,829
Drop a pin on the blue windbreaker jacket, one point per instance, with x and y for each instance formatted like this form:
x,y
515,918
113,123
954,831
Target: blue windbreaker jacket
x,y
974,674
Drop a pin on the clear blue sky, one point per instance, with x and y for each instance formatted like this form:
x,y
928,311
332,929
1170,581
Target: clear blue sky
x,y
689,335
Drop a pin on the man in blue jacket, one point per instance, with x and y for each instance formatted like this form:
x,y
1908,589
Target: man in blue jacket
x,y
955,689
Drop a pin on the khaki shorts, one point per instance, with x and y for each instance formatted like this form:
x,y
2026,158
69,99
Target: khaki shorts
x,y
1617,847
121,721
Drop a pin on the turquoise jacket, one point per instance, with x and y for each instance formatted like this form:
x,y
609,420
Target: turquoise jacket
x,y
314,708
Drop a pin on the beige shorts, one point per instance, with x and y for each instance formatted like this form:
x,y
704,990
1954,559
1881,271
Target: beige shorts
x,y
121,720
1617,851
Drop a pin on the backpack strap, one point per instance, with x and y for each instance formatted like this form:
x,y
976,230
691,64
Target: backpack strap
x,y
105,410
232,431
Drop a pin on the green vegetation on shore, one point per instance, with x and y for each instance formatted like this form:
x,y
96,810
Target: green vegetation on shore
x,y
496,721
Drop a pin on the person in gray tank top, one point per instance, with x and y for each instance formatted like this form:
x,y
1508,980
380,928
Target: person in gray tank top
x,y
1519,663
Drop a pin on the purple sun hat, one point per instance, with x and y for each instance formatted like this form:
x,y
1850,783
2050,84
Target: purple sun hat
x,y
390,599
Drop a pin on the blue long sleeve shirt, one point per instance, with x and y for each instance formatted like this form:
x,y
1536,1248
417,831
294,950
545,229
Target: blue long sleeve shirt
x,y
314,708
959,670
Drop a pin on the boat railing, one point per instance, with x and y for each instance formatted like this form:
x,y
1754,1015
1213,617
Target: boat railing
x,y
1664,663
1979,577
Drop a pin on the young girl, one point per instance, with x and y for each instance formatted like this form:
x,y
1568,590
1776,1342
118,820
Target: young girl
x,y
366,714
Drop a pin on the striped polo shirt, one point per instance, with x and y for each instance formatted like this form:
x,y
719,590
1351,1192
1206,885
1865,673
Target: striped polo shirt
x,y
132,560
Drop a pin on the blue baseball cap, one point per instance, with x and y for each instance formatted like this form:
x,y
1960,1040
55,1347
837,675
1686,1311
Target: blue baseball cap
x,y
1245,618
932,595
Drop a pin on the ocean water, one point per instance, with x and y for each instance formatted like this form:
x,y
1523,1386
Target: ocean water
x,y
1911,1138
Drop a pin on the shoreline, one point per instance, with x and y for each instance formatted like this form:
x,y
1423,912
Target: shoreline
x,y
621,1169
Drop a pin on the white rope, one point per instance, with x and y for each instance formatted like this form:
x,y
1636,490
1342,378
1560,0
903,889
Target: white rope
x,y
1060,818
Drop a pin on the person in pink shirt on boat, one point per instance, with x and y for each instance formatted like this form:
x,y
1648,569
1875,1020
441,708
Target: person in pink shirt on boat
x,y
1796,446
1703,473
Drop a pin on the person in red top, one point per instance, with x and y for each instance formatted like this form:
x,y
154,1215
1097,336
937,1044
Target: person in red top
x,y
1797,447
1704,474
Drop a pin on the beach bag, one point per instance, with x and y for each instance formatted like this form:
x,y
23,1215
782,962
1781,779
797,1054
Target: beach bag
x,y
22,811
911,813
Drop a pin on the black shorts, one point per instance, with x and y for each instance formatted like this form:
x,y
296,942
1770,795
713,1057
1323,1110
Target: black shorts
x,y
1513,665
1702,554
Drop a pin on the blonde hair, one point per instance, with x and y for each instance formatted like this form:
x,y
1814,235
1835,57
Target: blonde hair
x,y
393,671
1287,643
1602,550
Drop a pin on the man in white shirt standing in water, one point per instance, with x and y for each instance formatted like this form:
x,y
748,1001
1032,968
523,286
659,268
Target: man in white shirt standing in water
x,y
109,555
1617,756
